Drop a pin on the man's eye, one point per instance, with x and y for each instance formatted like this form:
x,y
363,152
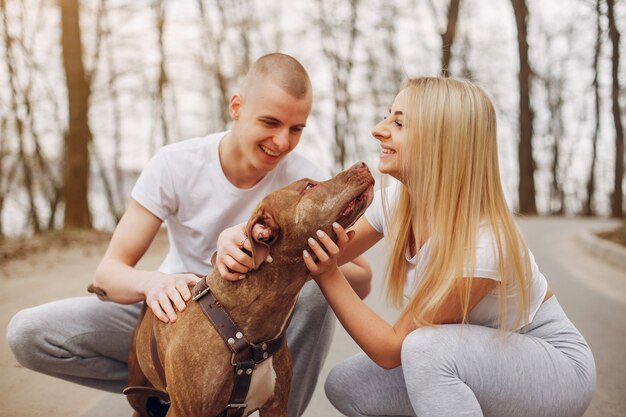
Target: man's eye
x,y
270,123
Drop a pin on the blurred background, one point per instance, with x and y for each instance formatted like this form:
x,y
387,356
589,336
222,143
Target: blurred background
x,y
90,89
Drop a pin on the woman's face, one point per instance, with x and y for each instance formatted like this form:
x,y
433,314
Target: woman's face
x,y
391,134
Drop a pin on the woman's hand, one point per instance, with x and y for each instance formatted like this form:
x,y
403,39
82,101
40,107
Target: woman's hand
x,y
167,294
231,261
326,251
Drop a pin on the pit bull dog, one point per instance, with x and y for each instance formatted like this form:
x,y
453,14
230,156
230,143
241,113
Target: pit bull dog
x,y
195,364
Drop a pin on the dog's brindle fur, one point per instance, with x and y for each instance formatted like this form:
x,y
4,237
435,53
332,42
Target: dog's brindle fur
x,y
195,358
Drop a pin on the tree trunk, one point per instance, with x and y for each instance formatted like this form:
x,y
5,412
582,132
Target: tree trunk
x,y
338,45
447,38
76,174
20,123
588,209
163,77
526,163
617,196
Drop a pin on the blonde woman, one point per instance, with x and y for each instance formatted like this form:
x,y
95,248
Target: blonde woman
x,y
481,333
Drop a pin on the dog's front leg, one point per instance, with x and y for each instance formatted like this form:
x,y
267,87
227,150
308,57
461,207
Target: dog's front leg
x,y
277,405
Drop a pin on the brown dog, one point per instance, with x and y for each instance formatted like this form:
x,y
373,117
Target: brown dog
x,y
194,359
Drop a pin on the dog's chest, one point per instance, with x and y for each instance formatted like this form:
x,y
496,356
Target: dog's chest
x,y
262,385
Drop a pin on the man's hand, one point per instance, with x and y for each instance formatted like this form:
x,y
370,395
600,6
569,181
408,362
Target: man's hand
x,y
231,261
166,294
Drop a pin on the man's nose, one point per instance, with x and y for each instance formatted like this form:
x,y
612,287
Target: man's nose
x,y
281,140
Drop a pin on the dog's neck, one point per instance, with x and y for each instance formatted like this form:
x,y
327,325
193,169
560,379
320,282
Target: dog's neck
x,y
261,304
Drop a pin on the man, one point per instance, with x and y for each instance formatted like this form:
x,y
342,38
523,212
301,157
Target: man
x,y
198,187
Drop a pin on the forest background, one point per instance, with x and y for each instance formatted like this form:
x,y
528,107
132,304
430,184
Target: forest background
x,y
89,90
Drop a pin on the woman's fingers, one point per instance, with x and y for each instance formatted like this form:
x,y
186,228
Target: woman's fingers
x,y
340,232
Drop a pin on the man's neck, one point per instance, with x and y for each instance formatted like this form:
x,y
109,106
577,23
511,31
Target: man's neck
x,y
237,170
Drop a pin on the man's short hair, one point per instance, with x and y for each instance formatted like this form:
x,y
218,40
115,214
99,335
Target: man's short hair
x,y
281,69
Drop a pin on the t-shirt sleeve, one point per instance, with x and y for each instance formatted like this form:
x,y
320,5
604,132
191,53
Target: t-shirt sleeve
x,y
154,188
486,263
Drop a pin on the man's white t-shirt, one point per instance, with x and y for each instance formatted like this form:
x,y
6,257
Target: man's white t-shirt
x,y
486,312
184,185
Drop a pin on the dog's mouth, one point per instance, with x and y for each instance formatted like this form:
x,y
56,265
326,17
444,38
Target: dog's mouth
x,y
355,207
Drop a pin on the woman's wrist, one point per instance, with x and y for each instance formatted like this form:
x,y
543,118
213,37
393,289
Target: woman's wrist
x,y
328,275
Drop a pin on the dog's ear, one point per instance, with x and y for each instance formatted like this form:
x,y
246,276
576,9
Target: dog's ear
x,y
262,231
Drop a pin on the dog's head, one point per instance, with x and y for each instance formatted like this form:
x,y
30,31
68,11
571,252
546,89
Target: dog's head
x,y
288,216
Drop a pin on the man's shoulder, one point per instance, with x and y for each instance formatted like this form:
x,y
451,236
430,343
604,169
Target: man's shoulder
x,y
192,145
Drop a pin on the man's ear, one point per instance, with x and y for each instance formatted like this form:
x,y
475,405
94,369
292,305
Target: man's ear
x,y
262,232
234,106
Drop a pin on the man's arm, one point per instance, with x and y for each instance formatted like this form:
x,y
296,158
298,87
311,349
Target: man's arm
x,y
118,280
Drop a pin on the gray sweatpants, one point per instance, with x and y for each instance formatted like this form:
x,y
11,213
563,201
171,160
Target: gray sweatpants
x,y
467,370
86,341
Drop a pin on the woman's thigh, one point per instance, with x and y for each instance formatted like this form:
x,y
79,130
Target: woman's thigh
x,y
465,367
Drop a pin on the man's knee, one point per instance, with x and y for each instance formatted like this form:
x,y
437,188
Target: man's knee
x,y
24,335
312,301
338,388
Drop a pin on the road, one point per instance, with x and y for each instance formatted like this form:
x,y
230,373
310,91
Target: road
x,y
592,292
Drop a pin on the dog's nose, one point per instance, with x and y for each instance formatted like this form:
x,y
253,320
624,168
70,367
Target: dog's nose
x,y
360,166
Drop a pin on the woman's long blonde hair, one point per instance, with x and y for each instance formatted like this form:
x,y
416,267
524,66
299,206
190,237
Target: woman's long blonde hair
x,y
450,183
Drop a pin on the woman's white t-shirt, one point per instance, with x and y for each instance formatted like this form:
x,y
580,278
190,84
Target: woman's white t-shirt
x,y
486,312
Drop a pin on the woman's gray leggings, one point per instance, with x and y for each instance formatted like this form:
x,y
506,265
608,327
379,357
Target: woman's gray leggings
x,y
468,370
86,341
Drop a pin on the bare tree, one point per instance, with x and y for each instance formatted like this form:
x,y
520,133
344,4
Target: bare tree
x,y
163,81
78,136
617,196
226,27
338,44
447,37
20,124
526,189
384,66
588,206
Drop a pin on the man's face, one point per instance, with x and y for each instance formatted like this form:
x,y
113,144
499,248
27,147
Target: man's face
x,y
268,123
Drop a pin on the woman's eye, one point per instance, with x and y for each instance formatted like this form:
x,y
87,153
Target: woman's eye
x,y
398,123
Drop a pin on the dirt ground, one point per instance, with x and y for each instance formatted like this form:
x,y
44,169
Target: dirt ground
x,y
35,272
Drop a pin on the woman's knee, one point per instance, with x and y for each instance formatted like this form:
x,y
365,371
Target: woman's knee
x,y
431,347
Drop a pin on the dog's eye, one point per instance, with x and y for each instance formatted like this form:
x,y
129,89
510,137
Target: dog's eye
x,y
309,185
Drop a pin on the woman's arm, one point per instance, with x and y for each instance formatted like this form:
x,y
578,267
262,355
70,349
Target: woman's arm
x,y
379,340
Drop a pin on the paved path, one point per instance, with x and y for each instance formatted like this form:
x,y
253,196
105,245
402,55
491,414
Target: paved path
x,y
592,292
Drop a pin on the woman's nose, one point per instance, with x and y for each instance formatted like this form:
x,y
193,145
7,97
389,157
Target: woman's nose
x,y
380,132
